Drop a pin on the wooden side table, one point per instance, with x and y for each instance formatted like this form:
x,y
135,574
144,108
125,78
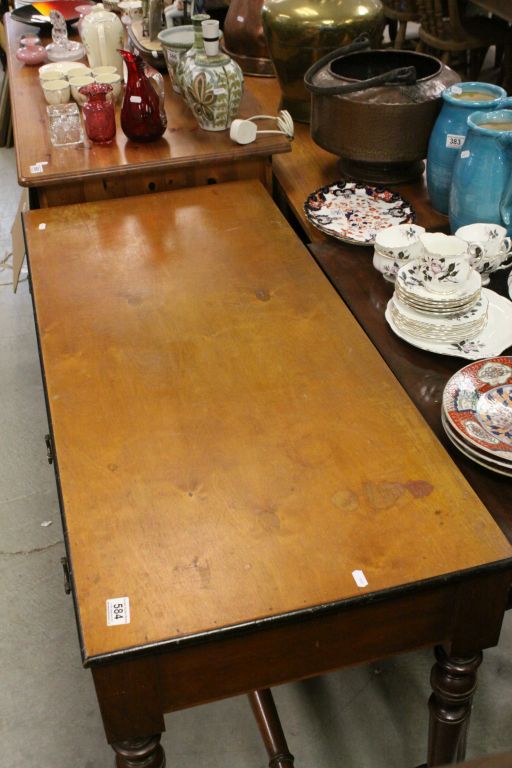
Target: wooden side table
x,y
184,156
238,466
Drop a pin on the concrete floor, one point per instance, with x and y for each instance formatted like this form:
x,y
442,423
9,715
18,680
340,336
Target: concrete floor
x,y
366,717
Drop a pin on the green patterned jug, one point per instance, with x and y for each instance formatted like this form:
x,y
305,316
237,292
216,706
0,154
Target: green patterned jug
x,y
213,83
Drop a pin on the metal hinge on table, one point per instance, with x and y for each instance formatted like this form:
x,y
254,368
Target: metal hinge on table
x,y
49,448
67,575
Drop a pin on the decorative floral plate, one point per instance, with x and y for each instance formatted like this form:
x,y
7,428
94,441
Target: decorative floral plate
x,y
355,212
491,341
477,404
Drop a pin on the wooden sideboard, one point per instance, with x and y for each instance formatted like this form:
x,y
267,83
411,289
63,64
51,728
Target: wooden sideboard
x,y
184,156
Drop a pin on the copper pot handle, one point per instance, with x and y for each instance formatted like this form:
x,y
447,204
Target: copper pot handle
x,y
400,76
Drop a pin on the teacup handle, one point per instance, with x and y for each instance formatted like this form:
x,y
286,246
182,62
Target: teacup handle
x,y
508,260
507,245
476,252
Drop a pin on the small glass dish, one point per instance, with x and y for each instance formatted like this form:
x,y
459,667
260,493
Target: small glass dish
x,y
65,125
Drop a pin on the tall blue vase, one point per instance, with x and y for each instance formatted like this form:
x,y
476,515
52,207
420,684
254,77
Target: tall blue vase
x,y
481,188
449,134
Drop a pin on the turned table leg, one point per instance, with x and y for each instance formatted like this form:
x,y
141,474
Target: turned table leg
x,y
453,683
140,753
265,712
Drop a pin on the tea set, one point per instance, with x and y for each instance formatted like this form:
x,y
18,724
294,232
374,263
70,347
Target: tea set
x,y
438,303
484,247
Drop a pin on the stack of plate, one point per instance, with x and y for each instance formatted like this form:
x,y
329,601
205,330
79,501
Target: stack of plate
x,y
477,413
411,290
468,322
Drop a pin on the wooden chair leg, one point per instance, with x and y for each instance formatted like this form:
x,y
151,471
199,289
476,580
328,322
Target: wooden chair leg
x,y
476,60
392,30
400,38
265,712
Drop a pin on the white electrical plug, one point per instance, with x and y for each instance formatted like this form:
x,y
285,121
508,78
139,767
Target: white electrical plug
x,y
244,131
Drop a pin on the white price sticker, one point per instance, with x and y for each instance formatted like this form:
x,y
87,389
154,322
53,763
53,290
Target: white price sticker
x,y
37,168
465,154
118,611
454,141
42,226
135,99
456,89
360,578
219,91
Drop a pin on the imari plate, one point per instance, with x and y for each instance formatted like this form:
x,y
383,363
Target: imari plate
x,y
355,212
477,404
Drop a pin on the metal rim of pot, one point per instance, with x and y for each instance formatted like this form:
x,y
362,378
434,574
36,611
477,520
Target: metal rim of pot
x,y
398,76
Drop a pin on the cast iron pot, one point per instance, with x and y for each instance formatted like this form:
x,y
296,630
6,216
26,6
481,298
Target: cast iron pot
x,y
375,109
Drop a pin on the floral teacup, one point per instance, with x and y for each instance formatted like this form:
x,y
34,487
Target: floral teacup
x,y
394,246
489,247
445,264
400,242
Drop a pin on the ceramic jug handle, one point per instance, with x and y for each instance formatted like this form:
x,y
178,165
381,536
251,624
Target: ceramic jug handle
x,y
506,103
506,197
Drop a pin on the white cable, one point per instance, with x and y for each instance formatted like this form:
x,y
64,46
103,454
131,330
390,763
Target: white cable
x,y
244,131
4,266
284,122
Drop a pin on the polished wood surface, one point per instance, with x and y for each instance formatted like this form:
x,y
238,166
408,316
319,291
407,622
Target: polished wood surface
x,y
422,374
246,429
490,761
308,167
500,8
184,156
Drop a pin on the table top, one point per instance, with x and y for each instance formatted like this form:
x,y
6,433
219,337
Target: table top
x,y
259,449
350,269
422,374
500,8
183,145
308,167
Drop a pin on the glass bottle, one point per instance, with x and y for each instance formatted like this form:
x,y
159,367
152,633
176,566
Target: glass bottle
x,y
99,112
142,114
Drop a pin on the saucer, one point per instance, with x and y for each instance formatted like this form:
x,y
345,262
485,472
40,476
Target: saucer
x,y
410,281
491,341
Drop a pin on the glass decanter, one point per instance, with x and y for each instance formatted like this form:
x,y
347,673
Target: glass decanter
x,y
142,114
99,112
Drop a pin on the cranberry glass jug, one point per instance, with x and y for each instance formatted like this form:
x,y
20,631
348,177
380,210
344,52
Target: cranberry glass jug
x,y
99,112
142,114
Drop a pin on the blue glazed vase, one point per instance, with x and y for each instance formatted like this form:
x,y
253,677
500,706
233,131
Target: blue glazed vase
x,y
449,134
481,188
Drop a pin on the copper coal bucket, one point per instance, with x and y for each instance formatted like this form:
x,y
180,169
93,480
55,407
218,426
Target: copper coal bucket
x,y
375,109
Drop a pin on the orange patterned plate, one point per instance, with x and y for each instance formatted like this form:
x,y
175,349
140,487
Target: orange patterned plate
x,y
477,405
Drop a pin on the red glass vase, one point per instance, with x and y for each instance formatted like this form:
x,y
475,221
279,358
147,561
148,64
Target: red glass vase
x,y
142,114
99,112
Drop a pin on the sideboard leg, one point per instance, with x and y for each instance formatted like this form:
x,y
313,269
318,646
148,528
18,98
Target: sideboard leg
x,y
140,753
453,683
265,713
